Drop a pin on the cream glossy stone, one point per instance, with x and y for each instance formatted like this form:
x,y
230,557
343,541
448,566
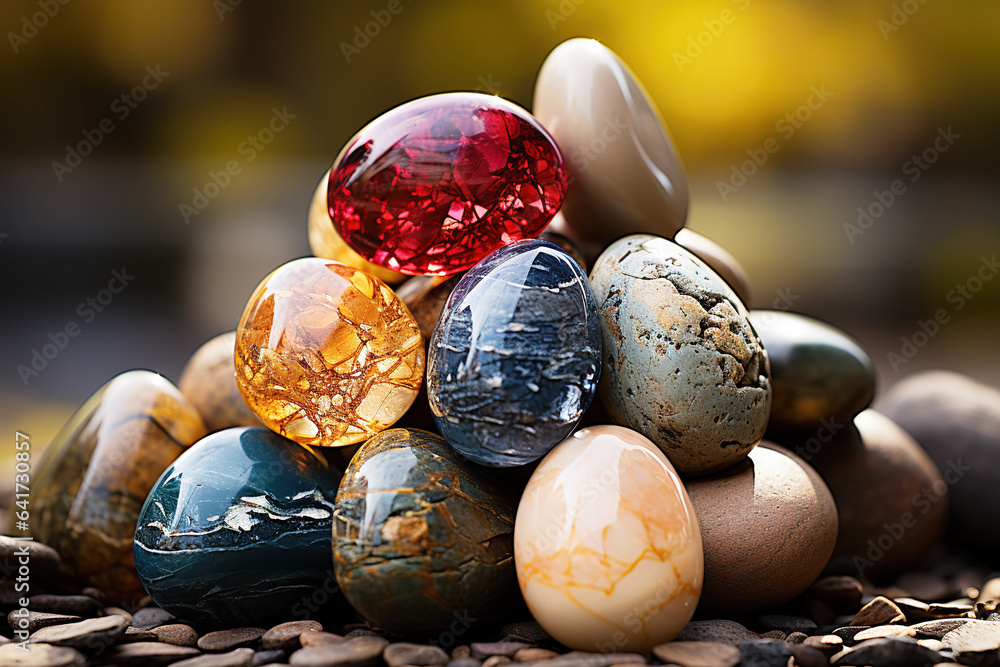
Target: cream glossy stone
x,y
719,259
325,242
626,177
606,543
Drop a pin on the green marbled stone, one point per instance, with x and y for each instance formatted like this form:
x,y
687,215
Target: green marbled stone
x,y
817,372
421,537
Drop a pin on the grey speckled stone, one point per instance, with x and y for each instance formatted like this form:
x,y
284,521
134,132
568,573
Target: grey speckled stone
x,y
682,364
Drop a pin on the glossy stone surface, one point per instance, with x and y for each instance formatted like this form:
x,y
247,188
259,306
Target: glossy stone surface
x,y
433,186
325,242
768,528
817,371
606,543
682,363
516,355
420,535
718,259
626,177
208,381
892,500
94,477
956,419
326,354
237,530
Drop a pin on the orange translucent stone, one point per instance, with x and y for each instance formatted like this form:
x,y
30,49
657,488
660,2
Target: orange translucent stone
x,y
327,354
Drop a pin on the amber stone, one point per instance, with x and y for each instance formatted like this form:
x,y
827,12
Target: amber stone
x,y
96,474
324,241
326,354
209,383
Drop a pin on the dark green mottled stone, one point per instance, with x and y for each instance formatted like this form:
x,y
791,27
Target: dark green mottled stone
x,y
237,531
421,537
817,372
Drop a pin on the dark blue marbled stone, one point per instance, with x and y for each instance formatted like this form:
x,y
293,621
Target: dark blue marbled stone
x,y
237,530
514,360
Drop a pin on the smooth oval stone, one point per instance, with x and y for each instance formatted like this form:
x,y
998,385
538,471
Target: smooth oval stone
x,y
890,496
208,381
420,535
326,354
94,477
817,371
768,528
325,242
437,184
957,420
682,363
719,259
626,176
607,546
515,358
237,530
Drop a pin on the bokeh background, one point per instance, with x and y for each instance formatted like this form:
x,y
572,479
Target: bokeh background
x,y
725,73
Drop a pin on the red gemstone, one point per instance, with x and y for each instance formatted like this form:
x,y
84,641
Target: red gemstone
x,y
435,185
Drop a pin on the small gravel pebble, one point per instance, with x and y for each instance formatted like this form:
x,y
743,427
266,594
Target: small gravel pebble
x,y
91,634
465,662
880,611
356,652
888,652
225,640
177,634
727,632
136,635
148,654
483,650
533,653
268,657
403,653
496,661
828,644
974,637
880,631
764,653
40,655
73,605
286,635
241,657
35,620
528,632
44,559
786,624
807,656
320,638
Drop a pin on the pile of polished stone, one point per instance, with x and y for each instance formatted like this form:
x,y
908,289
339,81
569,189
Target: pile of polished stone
x,y
946,613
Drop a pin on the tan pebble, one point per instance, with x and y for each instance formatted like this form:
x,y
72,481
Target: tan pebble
x,y
529,654
320,638
496,661
880,611
461,651
176,634
880,631
286,635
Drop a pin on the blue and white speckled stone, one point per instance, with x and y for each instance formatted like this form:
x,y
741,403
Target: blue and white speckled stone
x,y
682,363
515,358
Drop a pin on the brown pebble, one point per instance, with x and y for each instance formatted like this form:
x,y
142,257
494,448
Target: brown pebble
x,y
990,591
914,610
40,655
880,611
137,635
356,652
533,653
461,651
496,661
465,662
796,638
727,632
828,644
807,656
148,654
773,634
74,605
586,659
320,638
44,559
176,634
116,611
241,657
938,628
90,634
951,609
148,618
698,654
36,620
224,640
286,635
881,631
403,653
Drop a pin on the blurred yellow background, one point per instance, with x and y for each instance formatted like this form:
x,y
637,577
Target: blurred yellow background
x,y
166,93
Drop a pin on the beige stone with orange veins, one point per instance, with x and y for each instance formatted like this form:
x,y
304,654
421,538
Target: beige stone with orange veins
x,y
606,544
327,354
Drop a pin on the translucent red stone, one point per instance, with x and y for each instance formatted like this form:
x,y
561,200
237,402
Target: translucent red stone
x,y
433,186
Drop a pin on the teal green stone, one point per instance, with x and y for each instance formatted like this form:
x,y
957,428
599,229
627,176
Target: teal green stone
x,y
817,372
422,538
